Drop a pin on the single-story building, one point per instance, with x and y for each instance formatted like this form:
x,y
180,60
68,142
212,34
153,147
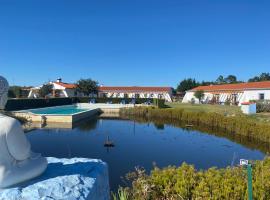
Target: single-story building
x,y
136,92
235,94
60,89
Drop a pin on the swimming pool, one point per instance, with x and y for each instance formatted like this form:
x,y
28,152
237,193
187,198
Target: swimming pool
x,y
63,110
57,114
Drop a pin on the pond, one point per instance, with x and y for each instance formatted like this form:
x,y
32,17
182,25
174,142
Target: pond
x,y
139,144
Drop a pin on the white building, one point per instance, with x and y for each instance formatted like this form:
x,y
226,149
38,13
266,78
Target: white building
x,y
233,93
136,92
60,89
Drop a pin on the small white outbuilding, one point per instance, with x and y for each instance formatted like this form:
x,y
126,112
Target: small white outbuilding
x,y
248,108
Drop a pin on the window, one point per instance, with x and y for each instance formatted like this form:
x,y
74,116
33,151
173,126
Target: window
x,y
261,96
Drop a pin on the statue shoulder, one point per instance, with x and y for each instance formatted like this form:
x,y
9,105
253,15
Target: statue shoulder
x,y
8,122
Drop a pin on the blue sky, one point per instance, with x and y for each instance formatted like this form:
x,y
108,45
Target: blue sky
x,y
133,42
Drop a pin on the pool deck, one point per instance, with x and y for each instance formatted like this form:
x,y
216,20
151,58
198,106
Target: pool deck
x,y
91,110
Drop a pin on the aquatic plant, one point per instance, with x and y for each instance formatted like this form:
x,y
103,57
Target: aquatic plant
x,y
235,124
122,194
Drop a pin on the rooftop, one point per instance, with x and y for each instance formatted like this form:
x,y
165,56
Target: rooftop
x,y
235,87
133,89
66,85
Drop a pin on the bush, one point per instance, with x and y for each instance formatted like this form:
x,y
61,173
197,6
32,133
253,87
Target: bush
x,y
22,104
160,103
113,100
263,107
185,182
45,90
14,92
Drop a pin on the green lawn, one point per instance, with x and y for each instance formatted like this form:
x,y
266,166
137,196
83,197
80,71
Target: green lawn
x,y
207,108
230,110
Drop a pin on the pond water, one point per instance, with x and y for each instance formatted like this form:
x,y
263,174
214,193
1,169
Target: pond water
x,y
139,144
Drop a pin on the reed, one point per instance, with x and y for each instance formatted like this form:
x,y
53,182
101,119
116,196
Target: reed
x,y
234,124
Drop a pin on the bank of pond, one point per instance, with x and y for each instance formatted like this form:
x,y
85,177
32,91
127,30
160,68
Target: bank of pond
x,y
187,182
158,141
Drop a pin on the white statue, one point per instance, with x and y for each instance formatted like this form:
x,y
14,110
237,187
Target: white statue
x,y
17,162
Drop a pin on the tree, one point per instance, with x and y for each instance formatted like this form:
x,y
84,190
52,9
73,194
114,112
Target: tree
x,y
199,94
262,77
220,80
187,84
87,86
14,92
231,79
45,90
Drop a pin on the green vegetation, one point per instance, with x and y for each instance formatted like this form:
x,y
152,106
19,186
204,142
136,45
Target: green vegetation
x,y
232,110
14,92
21,104
45,90
187,84
199,94
237,124
190,83
228,80
122,194
262,77
185,182
223,109
263,106
113,100
87,86
160,103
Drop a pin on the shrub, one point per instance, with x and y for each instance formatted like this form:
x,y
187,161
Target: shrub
x,y
22,104
185,182
45,90
263,107
199,94
113,100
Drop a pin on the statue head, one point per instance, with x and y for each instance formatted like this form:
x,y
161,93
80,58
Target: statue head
x,y
3,92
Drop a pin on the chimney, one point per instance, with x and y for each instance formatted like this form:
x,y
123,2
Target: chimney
x,y
59,80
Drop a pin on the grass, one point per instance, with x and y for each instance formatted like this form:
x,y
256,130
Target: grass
x,y
206,108
230,110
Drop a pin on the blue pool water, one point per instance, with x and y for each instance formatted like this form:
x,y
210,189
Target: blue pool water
x,y
67,110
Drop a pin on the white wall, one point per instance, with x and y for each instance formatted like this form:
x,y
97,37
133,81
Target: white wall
x,y
246,96
254,95
188,96
166,96
70,92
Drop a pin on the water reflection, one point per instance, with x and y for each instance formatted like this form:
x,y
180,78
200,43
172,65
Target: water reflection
x,y
142,142
218,132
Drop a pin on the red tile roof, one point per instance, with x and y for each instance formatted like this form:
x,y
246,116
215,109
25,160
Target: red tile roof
x,y
134,89
235,87
66,85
